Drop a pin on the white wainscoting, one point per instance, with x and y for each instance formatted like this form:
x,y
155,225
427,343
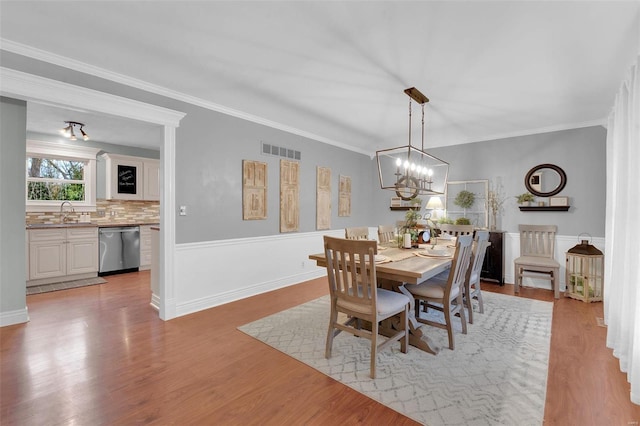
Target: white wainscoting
x,y
563,244
212,273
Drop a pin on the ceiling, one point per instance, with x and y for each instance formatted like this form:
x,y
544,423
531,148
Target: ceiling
x,y
337,70
49,119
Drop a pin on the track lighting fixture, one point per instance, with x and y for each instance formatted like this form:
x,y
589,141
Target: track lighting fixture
x,y
69,133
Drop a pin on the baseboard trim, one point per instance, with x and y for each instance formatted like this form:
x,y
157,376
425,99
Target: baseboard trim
x,y
18,316
232,296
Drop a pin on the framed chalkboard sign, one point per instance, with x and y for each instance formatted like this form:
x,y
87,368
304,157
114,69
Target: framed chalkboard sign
x,y
127,182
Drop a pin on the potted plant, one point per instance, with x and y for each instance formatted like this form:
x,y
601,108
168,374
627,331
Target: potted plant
x,y
445,220
465,199
463,221
411,223
525,198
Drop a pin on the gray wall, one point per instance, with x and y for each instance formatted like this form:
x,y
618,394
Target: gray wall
x,y
579,152
13,119
209,154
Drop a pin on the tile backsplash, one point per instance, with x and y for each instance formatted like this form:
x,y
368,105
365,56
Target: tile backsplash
x,y
115,211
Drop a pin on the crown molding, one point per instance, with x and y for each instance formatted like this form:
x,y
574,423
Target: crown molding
x,y
34,88
556,128
62,61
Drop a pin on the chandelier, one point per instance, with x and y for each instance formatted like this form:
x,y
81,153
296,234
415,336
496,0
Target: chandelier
x,y
69,133
410,171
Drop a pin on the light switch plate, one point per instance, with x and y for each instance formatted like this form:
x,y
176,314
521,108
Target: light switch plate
x,y
183,210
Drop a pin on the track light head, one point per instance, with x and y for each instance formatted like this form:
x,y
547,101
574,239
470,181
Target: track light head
x,y
66,131
84,135
69,133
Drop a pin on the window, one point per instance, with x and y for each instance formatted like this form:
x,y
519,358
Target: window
x,y
57,173
55,179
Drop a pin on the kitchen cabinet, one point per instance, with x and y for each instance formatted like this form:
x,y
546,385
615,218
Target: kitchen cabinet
x,y
493,266
151,180
145,247
131,178
61,254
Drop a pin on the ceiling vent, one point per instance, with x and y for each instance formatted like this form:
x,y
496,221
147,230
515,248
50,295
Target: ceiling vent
x,y
280,151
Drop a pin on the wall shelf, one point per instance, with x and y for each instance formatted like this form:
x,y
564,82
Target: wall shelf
x,y
544,208
404,208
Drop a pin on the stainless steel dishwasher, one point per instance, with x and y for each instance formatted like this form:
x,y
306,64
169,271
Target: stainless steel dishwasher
x,y
119,249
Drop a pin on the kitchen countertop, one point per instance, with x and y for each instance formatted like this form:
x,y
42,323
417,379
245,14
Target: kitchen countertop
x,y
114,225
85,225
62,225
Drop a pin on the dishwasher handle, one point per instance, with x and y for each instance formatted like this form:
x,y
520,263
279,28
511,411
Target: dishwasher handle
x,y
120,229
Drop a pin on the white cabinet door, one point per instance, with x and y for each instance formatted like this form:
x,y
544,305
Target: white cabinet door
x,y
124,177
47,259
151,180
60,252
82,250
82,256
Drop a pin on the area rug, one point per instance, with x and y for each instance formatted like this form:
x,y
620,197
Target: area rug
x,y
47,288
497,373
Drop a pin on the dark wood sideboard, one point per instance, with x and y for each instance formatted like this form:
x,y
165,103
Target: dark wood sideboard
x,y
493,266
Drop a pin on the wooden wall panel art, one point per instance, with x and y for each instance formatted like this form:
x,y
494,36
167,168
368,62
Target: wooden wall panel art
x,y
323,198
254,190
289,196
344,196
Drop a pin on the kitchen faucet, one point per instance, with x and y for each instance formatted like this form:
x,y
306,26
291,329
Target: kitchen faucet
x,y
65,215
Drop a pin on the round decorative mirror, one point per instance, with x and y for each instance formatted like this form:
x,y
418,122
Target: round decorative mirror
x,y
545,180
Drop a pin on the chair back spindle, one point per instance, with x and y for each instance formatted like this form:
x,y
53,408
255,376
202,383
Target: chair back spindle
x,y
456,230
386,233
357,233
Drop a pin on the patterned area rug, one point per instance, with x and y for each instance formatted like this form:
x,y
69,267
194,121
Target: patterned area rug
x,y
496,375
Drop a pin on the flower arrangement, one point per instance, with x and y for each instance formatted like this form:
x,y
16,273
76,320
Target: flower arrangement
x,y
495,201
465,199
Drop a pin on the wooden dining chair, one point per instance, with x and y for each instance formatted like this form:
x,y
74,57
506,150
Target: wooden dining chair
x,y
444,291
357,233
386,233
351,272
472,288
456,230
537,247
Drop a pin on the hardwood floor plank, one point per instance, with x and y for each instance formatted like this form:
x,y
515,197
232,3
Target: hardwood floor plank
x,y
100,355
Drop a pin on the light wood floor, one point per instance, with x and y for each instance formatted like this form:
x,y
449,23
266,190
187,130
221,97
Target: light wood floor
x,y
99,355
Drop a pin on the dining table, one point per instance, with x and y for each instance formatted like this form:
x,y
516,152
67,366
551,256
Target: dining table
x,y
396,267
